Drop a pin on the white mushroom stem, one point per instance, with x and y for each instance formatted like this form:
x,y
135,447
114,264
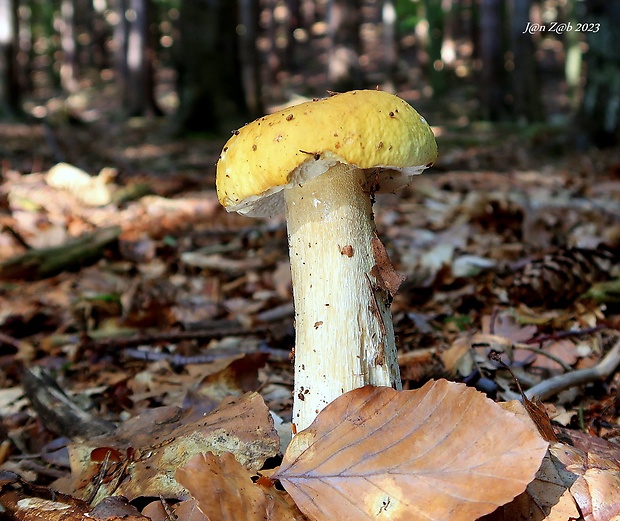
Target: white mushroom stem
x,y
344,331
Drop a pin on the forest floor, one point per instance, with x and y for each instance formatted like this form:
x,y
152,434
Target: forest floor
x,y
510,243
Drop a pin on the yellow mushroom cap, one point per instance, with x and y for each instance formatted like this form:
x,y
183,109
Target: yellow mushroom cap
x,y
366,128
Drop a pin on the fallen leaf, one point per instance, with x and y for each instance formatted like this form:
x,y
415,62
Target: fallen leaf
x,y
155,444
25,502
563,349
185,510
594,481
505,325
112,508
440,452
225,491
546,498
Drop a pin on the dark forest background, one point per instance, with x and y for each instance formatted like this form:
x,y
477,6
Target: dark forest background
x,y
209,65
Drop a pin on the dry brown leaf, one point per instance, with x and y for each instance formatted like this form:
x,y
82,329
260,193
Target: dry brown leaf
x,y
113,508
505,325
26,502
383,271
185,510
570,485
594,481
591,444
147,450
225,491
452,357
563,349
535,413
547,498
440,452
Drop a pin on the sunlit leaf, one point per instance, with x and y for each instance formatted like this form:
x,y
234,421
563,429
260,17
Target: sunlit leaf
x,y
442,452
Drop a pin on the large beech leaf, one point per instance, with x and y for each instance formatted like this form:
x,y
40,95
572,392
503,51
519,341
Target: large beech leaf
x,y
442,452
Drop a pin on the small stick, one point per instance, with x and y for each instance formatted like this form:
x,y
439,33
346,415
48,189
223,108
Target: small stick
x,y
548,388
206,358
9,340
565,334
177,336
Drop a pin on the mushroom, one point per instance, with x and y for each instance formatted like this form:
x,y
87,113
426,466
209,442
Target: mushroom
x,y
323,161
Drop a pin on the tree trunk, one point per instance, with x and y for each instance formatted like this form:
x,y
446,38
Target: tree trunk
x,y
139,93
492,86
9,86
600,111
92,17
120,38
343,69
69,67
24,61
574,57
525,82
434,15
249,56
390,64
209,73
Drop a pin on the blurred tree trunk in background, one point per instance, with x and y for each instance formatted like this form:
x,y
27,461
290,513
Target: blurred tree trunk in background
x,y
435,18
600,111
98,32
493,84
574,61
139,94
390,64
69,67
525,81
209,73
249,56
9,86
24,51
293,22
343,67
378,44
276,30
120,35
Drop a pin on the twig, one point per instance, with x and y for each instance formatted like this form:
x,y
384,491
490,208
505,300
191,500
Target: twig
x,y
56,410
565,334
42,470
170,515
206,358
177,336
9,340
45,262
548,388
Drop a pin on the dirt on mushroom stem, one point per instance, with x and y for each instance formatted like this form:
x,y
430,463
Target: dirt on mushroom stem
x,y
344,331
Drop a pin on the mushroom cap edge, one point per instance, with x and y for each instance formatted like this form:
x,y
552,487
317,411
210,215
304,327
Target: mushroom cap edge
x,y
368,129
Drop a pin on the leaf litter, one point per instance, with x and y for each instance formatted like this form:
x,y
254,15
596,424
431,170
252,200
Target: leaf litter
x,y
165,320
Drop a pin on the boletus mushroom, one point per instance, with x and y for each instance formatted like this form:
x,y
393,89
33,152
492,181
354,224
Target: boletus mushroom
x,y
323,161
